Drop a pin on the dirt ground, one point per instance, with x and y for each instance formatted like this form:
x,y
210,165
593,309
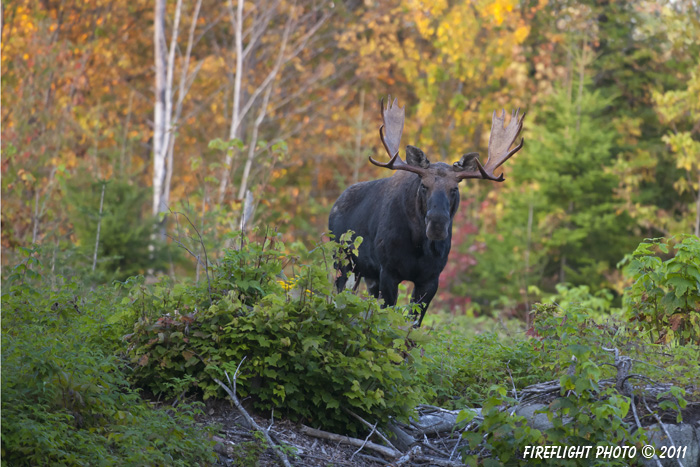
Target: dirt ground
x,y
235,443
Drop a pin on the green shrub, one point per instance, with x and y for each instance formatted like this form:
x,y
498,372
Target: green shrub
x,y
65,398
309,352
463,370
568,342
585,413
501,433
596,304
664,299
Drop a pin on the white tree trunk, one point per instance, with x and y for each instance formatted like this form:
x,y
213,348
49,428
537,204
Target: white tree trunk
x,y
263,111
185,79
235,115
159,119
697,209
263,14
163,139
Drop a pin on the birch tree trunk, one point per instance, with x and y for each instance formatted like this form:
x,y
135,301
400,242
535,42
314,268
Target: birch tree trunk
x,y
183,87
257,25
168,112
159,119
263,111
697,209
235,113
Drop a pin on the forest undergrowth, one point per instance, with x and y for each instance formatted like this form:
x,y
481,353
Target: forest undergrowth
x,y
78,359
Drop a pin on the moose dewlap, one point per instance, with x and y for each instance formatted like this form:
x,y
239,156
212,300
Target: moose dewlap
x,y
406,220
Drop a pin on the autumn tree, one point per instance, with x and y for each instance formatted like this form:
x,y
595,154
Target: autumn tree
x,y
645,49
681,111
68,70
460,61
268,39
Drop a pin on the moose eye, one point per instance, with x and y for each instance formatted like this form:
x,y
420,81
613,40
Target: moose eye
x,y
423,188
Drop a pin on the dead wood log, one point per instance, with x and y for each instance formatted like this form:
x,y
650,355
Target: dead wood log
x,y
403,440
383,450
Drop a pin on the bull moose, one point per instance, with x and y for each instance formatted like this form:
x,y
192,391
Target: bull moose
x,y
406,220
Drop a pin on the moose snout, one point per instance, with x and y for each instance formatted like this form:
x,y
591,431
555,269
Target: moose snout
x,y
437,226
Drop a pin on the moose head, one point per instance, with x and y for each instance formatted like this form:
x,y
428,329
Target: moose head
x,y
438,193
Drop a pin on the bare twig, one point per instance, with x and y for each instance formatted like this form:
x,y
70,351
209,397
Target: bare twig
x,y
204,249
39,212
634,413
409,456
363,444
369,425
231,391
614,349
459,440
515,391
99,225
272,420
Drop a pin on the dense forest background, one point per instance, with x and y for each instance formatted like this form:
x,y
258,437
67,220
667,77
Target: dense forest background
x,y
261,113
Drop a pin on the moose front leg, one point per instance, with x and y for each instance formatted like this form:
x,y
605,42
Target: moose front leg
x,y
423,293
388,288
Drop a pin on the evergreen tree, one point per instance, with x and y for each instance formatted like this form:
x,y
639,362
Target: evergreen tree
x,y
561,220
580,223
125,229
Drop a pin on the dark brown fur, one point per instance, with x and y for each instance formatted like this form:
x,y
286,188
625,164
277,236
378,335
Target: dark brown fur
x,y
406,225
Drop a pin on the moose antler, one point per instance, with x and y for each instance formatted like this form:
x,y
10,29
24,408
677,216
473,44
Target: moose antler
x,y
501,139
392,129
390,133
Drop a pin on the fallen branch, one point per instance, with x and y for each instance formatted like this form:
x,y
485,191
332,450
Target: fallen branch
x,y
409,456
434,461
639,426
515,391
375,459
469,427
415,456
232,394
404,440
663,427
383,450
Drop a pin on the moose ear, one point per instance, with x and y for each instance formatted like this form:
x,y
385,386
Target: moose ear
x,y
416,157
467,162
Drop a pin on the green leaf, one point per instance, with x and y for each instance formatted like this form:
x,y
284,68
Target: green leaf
x,y
490,462
681,285
474,439
466,415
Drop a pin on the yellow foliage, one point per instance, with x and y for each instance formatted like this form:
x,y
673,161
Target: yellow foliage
x,y
521,34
